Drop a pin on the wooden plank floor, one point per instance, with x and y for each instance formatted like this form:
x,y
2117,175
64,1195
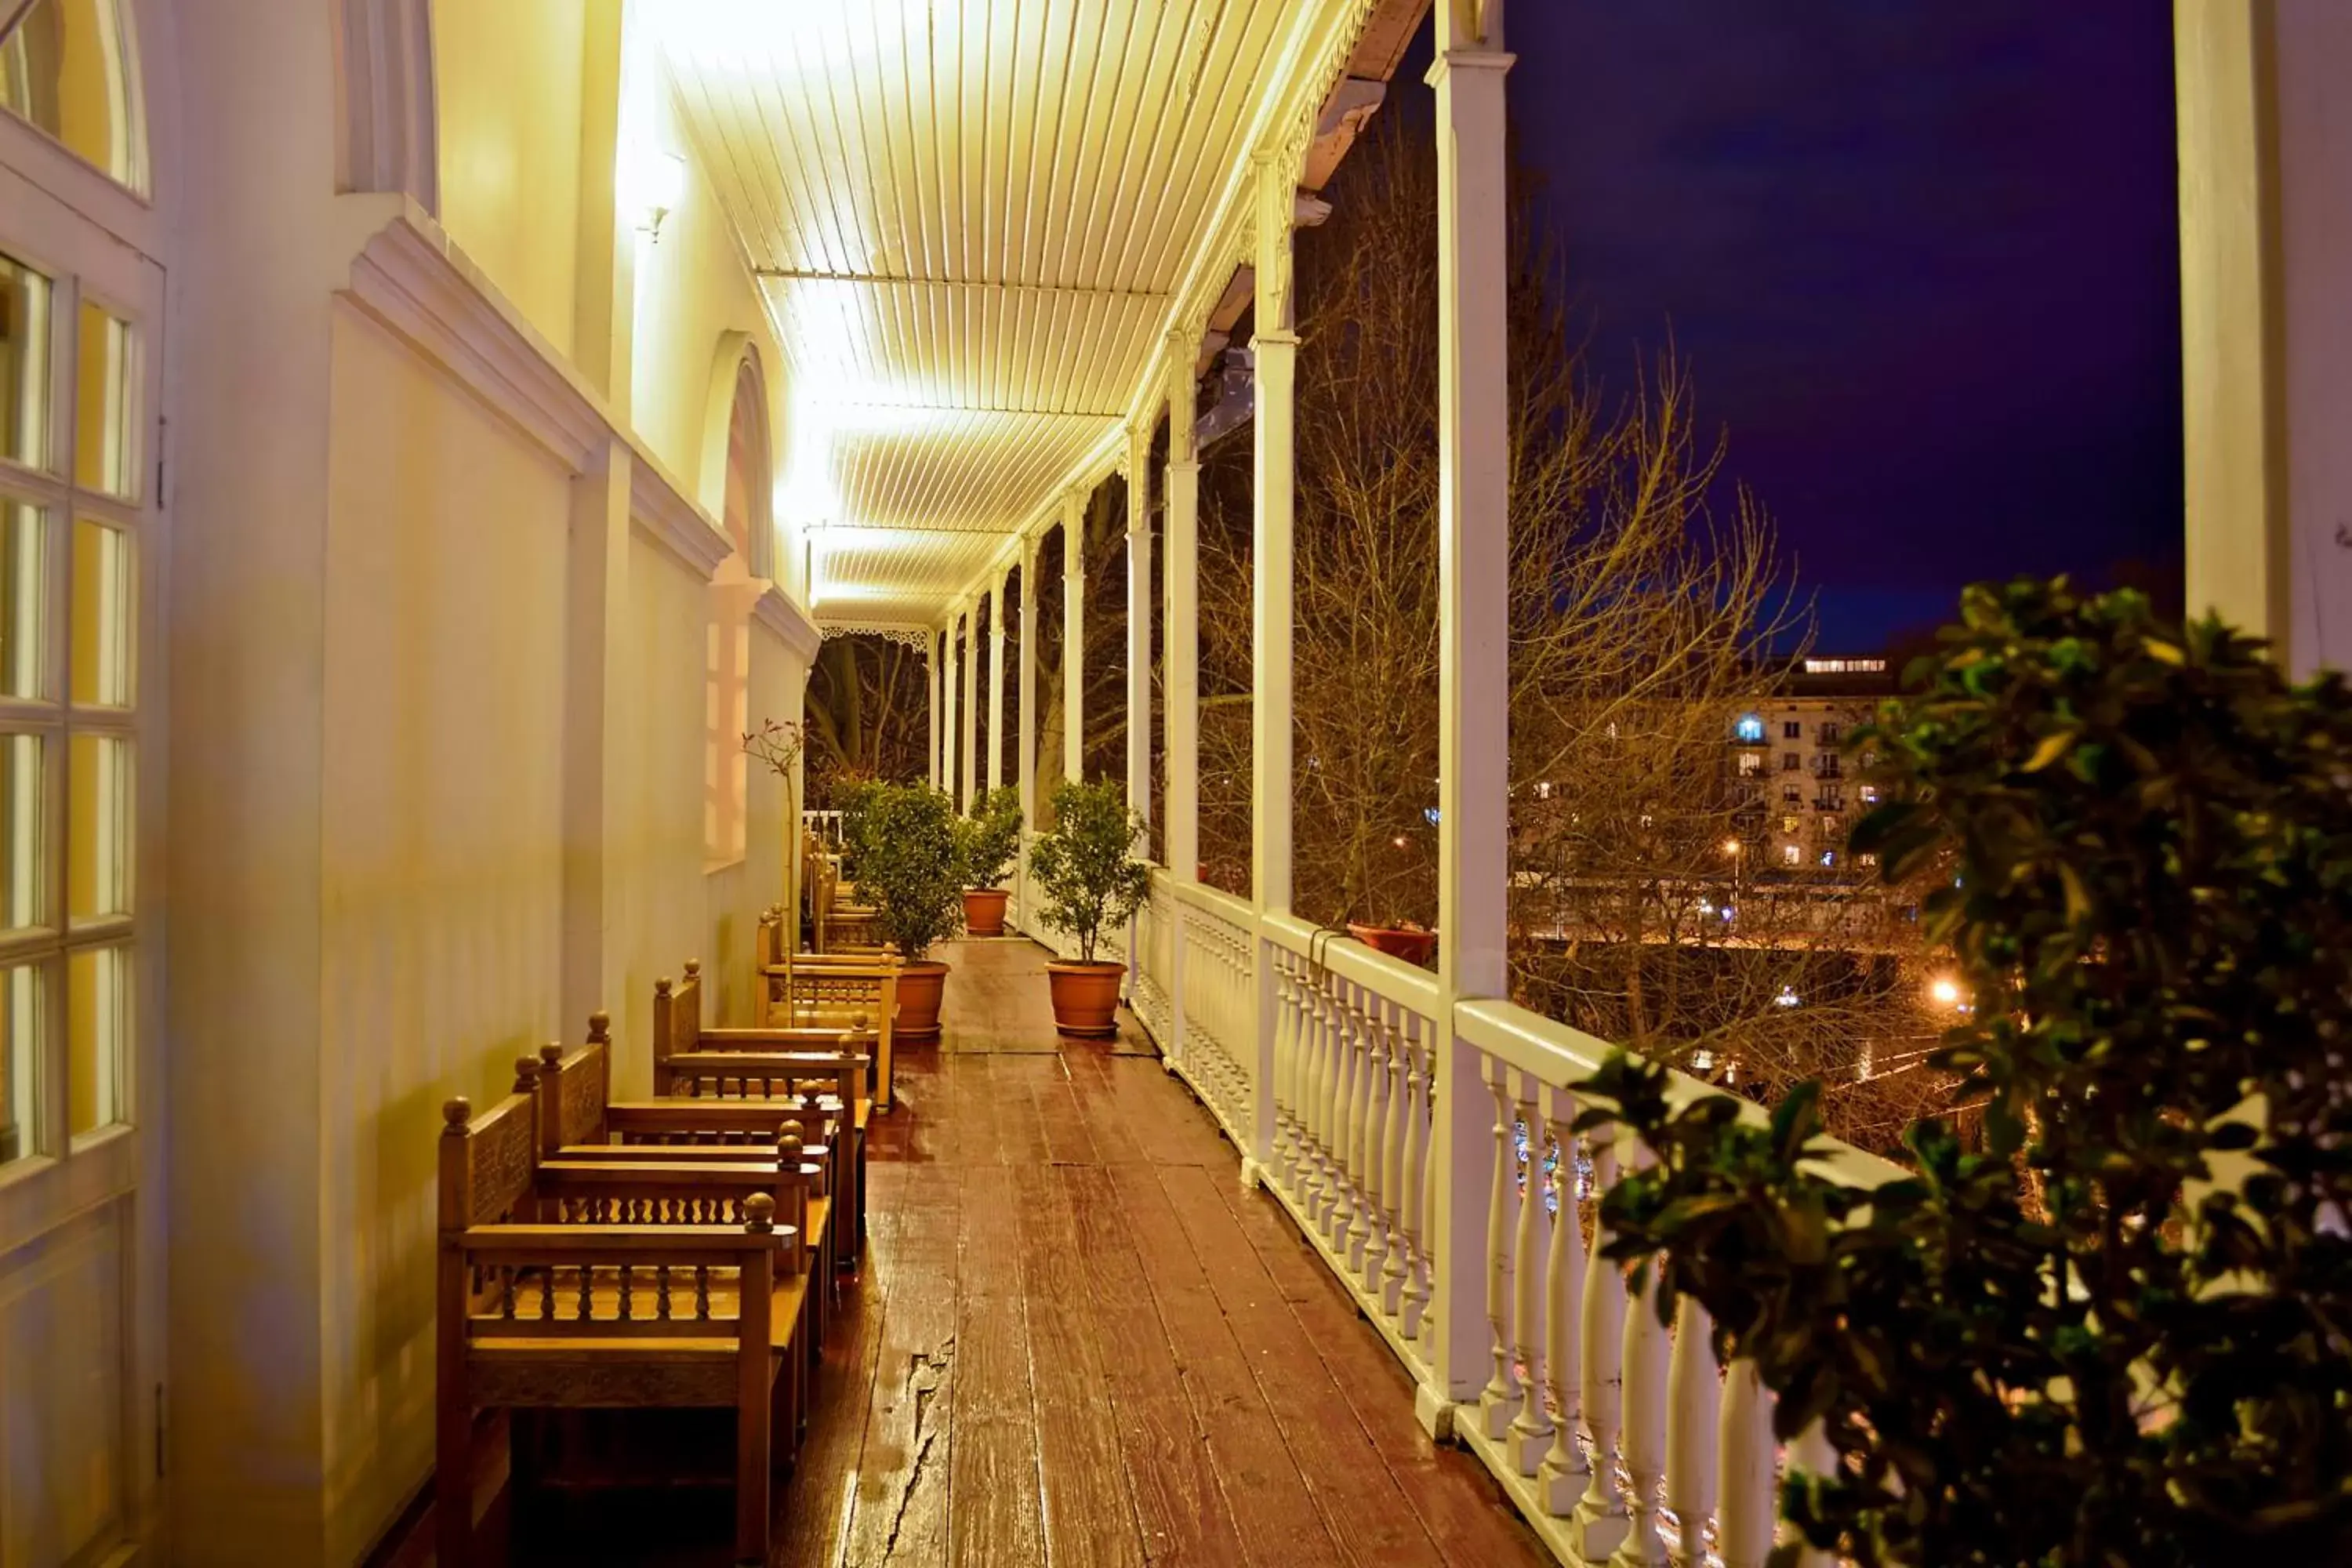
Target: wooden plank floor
x,y
1077,1340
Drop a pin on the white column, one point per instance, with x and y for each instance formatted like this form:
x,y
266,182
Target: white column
x,y
1275,352
969,743
931,709
1182,641
993,772
1139,618
951,684
1473,642
1074,638
1026,759
1031,599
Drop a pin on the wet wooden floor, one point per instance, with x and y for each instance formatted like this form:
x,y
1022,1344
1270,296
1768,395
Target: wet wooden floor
x,y
1076,1341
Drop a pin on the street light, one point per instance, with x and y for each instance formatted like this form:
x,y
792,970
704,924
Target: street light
x,y
1944,992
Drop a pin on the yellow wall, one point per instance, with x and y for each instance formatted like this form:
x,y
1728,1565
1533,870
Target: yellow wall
x,y
379,831
442,874
692,291
508,73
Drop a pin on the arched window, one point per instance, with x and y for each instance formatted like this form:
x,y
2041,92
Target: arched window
x,y
68,67
737,586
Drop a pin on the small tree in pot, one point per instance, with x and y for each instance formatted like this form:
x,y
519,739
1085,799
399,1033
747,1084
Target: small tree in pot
x,y
991,843
2118,1334
910,865
1086,870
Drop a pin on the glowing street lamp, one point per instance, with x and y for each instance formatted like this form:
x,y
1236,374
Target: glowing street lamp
x,y
1944,992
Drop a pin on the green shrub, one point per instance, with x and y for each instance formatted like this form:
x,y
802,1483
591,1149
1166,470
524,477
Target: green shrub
x,y
2122,1332
1086,866
991,837
849,798
909,863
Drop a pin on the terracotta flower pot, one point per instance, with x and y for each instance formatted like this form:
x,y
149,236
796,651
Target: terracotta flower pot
x,y
1085,997
921,986
1410,943
984,911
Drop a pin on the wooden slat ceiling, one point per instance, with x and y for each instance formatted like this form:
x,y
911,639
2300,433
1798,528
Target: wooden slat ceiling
x,y
970,217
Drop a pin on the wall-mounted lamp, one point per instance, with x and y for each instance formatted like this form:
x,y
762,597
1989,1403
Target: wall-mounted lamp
x,y
656,184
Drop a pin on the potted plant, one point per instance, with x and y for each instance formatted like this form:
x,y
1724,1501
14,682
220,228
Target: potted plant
x,y
1086,870
1407,940
2116,1333
911,867
1386,876
991,843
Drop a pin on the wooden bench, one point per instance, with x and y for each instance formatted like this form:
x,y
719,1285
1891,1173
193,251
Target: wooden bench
x,y
831,990
576,1284
837,922
578,1121
768,1064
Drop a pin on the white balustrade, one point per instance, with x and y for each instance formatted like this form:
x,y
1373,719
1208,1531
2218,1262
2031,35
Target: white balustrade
x,y
1622,1440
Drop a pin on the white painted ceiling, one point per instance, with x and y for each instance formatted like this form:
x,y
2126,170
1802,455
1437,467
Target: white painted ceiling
x,y
970,217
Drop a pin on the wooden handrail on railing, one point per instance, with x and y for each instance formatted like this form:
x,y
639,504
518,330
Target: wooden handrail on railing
x,y
1584,1390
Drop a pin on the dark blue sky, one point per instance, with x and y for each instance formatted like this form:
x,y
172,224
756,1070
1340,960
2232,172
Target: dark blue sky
x,y
1921,255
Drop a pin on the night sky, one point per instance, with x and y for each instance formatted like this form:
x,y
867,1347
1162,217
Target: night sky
x,y
1921,255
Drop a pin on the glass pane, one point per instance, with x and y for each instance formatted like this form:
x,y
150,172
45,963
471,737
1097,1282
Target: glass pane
x,y
23,833
103,459
103,598
23,358
66,69
20,1055
23,599
97,819
98,1029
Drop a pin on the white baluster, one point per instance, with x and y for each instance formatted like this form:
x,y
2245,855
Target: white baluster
x,y
1310,1096
1360,1131
1396,1247
1500,1401
1646,1347
1564,1475
1600,1523
1327,1099
1744,1457
1412,1305
1694,1408
1531,1434
1813,1453
1342,1196
1285,995
1368,1238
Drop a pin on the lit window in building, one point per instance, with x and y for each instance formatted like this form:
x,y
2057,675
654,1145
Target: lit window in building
x,y
1828,824
1845,666
1792,856
1870,794
1865,861
1750,727
1789,824
1829,857
1750,763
